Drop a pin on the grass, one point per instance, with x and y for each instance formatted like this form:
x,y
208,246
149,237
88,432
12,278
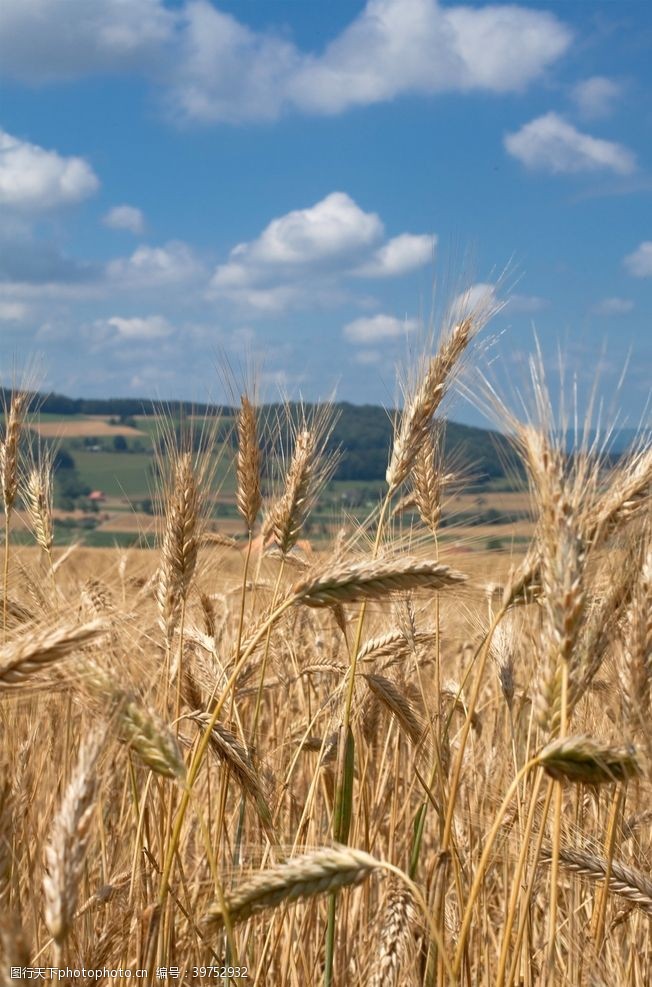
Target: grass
x,y
393,762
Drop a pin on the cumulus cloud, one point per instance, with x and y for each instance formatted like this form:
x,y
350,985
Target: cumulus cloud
x,y
613,306
305,255
41,43
392,47
639,263
550,144
227,72
139,327
215,68
377,328
34,179
596,97
399,255
125,218
332,228
173,263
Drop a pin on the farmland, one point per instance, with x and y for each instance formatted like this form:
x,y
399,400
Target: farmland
x,y
124,473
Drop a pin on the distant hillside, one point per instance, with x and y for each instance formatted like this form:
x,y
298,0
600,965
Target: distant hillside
x,y
362,432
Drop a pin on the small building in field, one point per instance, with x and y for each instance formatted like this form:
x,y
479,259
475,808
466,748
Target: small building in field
x,y
97,496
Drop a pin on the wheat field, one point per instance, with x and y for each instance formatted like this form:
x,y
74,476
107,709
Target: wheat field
x,y
381,764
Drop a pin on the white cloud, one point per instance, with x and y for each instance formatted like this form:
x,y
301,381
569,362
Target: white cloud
x,y
173,263
613,306
12,311
526,303
225,71
306,256
550,144
377,328
333,228
596,97
125,218
40,41
504,48
477,299
399,255
145,327
639,263
229,72
215,68
33,179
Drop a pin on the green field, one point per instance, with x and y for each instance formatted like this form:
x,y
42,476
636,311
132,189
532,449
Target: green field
x,y
117,474
129,474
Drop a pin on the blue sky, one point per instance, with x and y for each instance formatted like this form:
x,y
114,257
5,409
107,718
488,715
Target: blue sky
x,y
288,179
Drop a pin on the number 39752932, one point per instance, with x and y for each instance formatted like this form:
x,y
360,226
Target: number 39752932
x,y
220,971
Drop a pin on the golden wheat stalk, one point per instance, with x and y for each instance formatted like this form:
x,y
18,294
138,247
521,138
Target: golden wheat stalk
x,y
396,933
314,874
180,543
428,480
141,729
289,513
626,496
374,580
417,416
592,762
627,882
395,701
228,749
14,952
637,645
39,500
248,492
393,647
36,650
65,851
9,449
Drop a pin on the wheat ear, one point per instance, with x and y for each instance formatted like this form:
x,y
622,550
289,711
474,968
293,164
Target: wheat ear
x,y
180,543
303,877
37,650
396,934
624,881
248,493
416,420
65,851
139,727
360,581
592,762
9,449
